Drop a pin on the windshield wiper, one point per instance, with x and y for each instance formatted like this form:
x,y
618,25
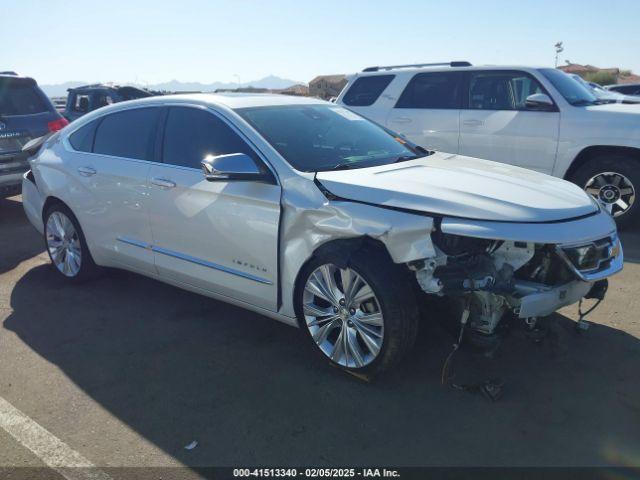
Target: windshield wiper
x,y
342,166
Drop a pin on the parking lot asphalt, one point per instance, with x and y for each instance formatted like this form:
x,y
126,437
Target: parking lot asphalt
x,y
127,371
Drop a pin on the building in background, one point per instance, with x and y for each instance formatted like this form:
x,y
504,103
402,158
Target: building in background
x,y
603,76
327,86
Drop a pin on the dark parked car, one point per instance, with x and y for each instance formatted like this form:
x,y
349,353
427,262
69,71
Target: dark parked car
x,y
25,113
627,89
87,98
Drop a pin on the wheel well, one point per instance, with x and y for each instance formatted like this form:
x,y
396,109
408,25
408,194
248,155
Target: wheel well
x,y
341,250
589,152
48,203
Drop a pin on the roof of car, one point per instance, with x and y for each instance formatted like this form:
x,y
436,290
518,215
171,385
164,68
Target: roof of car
x,y
444,68
232,100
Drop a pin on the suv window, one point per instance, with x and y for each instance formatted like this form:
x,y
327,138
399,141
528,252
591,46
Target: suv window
x,y
19,96
191,134
366,90
432,90
128,134
501,90
80,103
82,139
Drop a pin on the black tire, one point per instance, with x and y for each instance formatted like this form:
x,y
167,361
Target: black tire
x,y
88,269
618,163
391,284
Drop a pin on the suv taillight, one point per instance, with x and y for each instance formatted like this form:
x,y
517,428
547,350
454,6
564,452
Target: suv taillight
x,y
57,124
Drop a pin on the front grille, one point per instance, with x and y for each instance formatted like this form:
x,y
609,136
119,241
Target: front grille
x,y
591,257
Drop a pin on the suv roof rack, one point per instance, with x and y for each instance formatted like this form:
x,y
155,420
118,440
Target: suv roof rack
x,y
418,65
9,72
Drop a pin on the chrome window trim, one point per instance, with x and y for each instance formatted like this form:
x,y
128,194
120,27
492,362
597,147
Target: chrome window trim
x,y
67,145
197,261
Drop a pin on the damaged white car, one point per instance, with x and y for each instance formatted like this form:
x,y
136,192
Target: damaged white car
x,y
306,212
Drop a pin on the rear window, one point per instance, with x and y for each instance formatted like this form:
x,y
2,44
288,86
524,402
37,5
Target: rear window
x,y
128,134
432,90
82,139
366,90
19,96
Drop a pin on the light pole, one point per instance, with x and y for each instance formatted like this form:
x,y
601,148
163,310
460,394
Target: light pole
x,y
559,49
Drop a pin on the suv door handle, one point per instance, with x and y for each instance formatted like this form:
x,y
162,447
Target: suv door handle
x,y
473,123
163,182
401,120
87,171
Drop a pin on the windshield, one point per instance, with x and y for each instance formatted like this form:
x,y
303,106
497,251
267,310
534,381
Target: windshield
x,y
573,92
316,138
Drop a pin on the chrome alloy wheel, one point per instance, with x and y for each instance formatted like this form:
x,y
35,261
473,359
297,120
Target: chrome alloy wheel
x,y
63,244
613,190
343,316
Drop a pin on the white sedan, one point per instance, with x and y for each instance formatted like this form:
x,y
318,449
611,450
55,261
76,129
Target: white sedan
x,y
308,213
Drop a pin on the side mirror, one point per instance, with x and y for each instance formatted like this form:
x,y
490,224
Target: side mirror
x,y
233,166
539,101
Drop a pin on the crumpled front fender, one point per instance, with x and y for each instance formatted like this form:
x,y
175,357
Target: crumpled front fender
x,y
309,221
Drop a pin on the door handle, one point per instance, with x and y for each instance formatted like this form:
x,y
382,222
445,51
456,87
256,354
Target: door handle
x,y
401,120
87,171
163,182
473,123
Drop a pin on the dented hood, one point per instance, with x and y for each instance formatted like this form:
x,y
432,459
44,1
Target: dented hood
x,y
458,186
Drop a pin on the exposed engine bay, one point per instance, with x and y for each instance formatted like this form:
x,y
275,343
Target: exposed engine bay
x,y
491,279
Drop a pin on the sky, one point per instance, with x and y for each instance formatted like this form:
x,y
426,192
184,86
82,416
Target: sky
x,y
152,41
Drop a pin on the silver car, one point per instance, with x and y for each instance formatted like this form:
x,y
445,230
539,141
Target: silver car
x,y
308,213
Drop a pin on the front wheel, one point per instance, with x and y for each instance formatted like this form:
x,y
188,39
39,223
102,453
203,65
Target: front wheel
x,y
362,317
613,180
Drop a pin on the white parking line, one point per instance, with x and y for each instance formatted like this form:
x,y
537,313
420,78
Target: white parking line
x,y
48,448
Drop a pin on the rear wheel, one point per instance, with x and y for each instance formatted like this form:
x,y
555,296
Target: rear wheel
x,y
613,179
362,317
66,245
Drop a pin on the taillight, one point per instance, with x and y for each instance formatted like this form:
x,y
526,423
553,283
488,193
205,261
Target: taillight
x,y
57,124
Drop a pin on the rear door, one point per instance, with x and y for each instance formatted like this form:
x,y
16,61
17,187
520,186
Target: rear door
x,y
110,165
495,123
219,236
428,110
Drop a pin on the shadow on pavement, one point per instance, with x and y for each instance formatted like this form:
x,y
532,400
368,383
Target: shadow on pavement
x,y
176,366
23,242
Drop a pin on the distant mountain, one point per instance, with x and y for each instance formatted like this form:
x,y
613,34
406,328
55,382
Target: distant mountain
x,y
271,81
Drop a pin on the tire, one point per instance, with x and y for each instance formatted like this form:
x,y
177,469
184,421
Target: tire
x,y
610,175
66,245
373,345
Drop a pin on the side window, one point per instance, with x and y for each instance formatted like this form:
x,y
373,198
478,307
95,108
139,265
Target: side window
x,y
366,90
128,134
191,134
82,139
501,90
432,90
80,103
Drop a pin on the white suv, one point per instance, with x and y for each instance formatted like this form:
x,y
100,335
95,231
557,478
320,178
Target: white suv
x,y
537,118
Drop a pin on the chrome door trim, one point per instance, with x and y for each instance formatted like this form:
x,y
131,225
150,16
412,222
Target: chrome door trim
x,y
197,261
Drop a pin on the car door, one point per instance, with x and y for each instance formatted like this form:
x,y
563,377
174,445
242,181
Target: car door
x,y
110,166
219,236
496,124
428,110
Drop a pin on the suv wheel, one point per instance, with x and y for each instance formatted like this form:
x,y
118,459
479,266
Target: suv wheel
x,y
613,180
362,317
66,245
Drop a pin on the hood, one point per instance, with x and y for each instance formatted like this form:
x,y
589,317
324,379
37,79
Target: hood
x,y
458,186
617,108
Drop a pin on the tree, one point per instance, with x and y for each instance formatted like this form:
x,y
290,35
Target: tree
x,y
559,49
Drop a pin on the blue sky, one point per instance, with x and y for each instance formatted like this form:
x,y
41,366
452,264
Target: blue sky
x,y
150,41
